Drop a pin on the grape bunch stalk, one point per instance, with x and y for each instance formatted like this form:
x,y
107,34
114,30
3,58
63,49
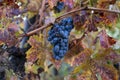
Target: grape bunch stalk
x,y
58,36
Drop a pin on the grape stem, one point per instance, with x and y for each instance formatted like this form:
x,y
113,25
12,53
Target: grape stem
x,y
36,30
68,13
89,8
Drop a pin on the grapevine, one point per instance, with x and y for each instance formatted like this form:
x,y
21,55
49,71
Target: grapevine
x,y
59,40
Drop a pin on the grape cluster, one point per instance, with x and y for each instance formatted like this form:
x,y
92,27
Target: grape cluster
x,y
60,5
58,37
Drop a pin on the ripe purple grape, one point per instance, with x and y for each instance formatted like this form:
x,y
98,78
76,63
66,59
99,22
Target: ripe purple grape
x,y
59,35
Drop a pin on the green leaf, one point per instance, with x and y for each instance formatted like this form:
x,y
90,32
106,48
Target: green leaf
x,y
65,69
98,76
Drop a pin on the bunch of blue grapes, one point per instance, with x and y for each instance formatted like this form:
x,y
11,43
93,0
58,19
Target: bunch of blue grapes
x,y
58,36
60,5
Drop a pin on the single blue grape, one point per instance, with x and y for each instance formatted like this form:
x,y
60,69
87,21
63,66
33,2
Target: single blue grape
x,y
69,20
65,48
56,48
54,41
61,33
62,27
63,22
64,51
59,29
56,57
66,34
69,28
61,53
50,32
49,38
52,35
56,25
62,44
65,40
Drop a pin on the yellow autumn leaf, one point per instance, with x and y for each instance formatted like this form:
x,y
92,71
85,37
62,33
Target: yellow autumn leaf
x,y
81,67
36,53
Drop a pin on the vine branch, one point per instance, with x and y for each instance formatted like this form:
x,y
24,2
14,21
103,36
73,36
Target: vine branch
x,y
41,11
68,13
36,30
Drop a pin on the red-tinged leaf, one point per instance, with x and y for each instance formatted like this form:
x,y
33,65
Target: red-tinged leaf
x,y
32,55
36,56
8,38
79,21
85,74
97,19
82,57
12,27
56,63
1,11
101,54
113,57
75,47
103,3
104,39
36,53
108,18
31,75
36,41
111,40
107,72
69,3
8,2
91,26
